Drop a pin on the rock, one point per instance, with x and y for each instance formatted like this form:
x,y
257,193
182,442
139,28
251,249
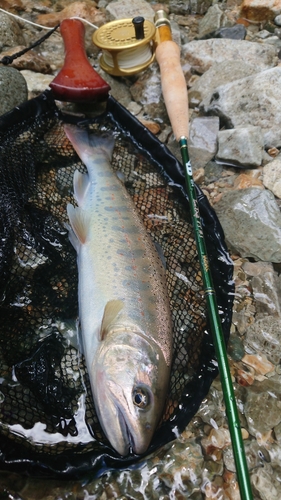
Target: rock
x,y
265,396
36,82
183,7
212,172
259,362
260,10
203,140
251,101
251,221
75,9
10,32
277,20
247,180
147,91
30,60
236,32
213,19
217,75
266,293
266,484
202,54
272,176
123,9
241,147
12,5
264,336
13,89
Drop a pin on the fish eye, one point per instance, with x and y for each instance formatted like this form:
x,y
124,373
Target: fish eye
x,y
141,397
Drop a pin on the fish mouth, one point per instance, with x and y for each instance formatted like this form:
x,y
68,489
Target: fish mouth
x,y
128,440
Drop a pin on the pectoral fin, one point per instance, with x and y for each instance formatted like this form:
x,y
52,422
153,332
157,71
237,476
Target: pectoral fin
x,y
79,221
111,310
81,183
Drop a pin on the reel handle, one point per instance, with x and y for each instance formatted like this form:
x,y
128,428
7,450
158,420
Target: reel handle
x,y
173,83
77,81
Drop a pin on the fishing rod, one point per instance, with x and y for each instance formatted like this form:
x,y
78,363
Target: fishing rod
x,y
175,95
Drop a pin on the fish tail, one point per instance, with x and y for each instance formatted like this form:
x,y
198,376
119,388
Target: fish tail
x,y
88,145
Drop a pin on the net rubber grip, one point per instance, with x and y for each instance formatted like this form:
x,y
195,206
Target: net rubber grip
x,y
174,87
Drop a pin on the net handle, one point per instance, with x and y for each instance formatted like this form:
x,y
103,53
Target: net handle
x,y
77,80
176,99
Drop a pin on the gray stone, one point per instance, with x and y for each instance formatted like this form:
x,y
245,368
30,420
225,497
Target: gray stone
x,y
203,140
241,147
264,336
251,221
202,54
265,482
266,293
217,75
277,20
147,91
213,19
36,82
13,89
251,101
123,9
10,32
183,7
272,176
213,172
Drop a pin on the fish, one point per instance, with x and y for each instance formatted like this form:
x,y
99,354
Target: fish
x,y
124,309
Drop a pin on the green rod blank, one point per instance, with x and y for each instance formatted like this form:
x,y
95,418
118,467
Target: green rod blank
x,y
216,328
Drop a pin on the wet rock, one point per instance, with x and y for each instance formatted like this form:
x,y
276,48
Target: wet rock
x,y
264,336
10,32
272,176
203,140
266,293
30,60
174,474
259,362
260,10
253,101
36,82
123,9
217,75
235,347
241,147
75,9
265,396
12,5
13,89
212,172
202,54
251,221
266,484
213,19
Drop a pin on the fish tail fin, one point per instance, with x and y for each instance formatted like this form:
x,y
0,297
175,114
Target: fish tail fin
x,y
79,221
87,144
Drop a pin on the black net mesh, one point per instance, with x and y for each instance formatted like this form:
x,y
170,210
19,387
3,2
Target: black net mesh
x,y
47,417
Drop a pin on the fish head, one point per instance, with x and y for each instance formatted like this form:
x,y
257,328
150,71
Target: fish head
x,y
129,382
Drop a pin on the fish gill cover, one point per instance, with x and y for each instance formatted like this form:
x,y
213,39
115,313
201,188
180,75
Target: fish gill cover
x,y
48,422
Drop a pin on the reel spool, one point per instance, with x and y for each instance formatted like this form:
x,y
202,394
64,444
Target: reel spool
x,y
127,45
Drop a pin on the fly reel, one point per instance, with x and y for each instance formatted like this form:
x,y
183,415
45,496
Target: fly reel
x,y
128,45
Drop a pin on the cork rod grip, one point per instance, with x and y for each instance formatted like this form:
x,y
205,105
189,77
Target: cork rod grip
x,y
174,87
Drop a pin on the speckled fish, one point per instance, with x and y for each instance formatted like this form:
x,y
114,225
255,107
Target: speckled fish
x,y
123,304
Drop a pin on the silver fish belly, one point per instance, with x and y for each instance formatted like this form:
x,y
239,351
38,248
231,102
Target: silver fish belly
x,y
124,308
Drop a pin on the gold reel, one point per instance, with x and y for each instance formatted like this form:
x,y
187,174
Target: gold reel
x,y
127,45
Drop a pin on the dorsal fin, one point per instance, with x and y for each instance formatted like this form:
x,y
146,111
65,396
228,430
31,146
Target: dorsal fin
x,y
81,183
111,310
79,220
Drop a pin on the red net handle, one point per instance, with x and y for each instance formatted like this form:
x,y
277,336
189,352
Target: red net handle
x,y
77,81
